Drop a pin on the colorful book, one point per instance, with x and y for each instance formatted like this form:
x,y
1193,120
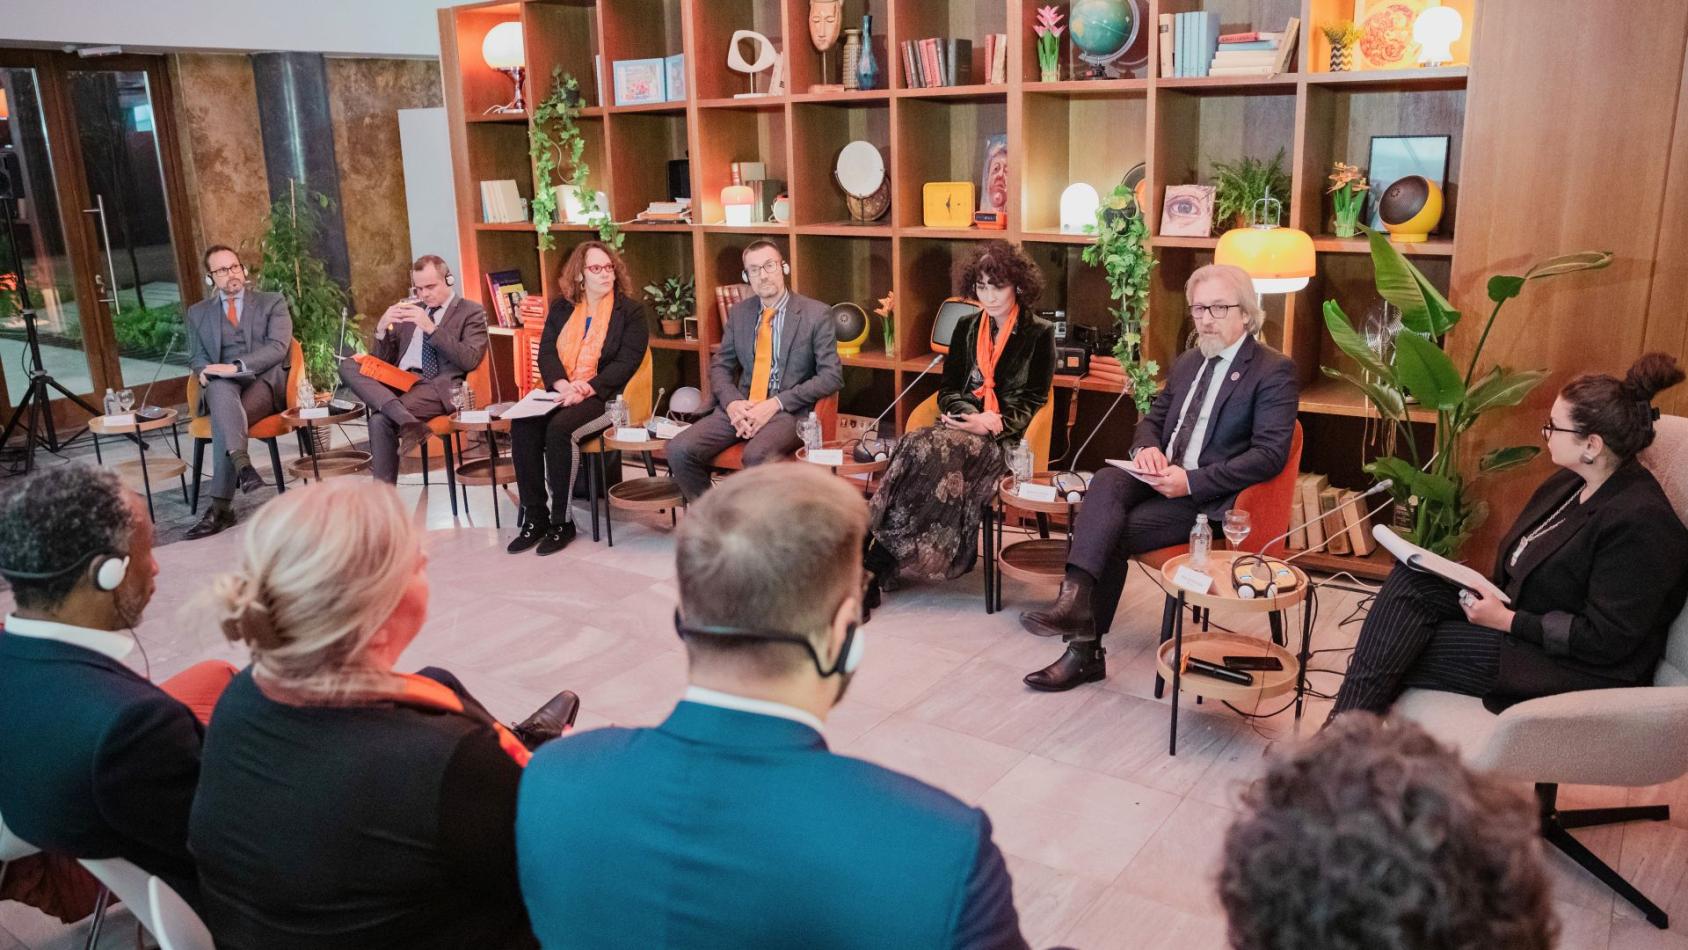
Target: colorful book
x,y
1249,37
910,74
1254,47
1207,26
504,292
990,57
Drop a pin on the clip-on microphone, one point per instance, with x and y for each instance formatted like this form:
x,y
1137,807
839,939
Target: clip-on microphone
x,y
870,447
1248,584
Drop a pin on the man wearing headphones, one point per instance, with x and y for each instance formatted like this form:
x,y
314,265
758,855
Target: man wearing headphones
x,y
778,357
95,761
436,335
731,824
239,340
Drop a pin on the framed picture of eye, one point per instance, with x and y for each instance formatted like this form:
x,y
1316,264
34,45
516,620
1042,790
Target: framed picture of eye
x,y
1188,211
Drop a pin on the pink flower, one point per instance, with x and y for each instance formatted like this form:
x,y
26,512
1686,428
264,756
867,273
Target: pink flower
x,y
1048,22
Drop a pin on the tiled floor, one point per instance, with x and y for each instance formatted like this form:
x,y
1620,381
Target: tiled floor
x,y
1112,843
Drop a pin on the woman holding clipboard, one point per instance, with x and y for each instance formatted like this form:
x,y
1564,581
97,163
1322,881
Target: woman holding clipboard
x,y
1595,570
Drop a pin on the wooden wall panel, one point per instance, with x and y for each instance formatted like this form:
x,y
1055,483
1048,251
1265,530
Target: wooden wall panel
x,y
1566,148
1667,308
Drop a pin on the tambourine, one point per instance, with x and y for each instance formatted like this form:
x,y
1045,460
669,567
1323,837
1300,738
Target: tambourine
x,y
860,171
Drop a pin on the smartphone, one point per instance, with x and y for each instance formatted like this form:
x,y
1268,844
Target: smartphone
x,y
1254,663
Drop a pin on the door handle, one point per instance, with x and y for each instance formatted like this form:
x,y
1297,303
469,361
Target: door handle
x,y
111,269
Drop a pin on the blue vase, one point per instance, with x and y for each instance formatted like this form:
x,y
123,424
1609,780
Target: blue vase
x,y
867,68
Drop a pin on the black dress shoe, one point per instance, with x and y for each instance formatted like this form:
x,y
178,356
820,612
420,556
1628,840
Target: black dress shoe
x,y
1068,617
548,721
249,480
561,533
216,519
535,522
1082,663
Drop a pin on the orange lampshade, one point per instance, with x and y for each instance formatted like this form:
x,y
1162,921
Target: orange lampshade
x,y
1279,259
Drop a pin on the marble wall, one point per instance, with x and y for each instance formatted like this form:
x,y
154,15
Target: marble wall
x,y
223,160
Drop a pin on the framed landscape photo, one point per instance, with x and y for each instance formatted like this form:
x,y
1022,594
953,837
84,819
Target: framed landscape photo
x,y
1397,156
640,82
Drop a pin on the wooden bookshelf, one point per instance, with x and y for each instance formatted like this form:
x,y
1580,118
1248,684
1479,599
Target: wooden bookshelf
x,y
1058,133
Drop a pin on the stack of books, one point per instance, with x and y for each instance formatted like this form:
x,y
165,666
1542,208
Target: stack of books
x,y
1191,45
728,294
505,290
1333,520
937,61
996,59
501,203
668,212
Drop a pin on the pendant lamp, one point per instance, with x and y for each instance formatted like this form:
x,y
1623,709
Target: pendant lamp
x,y
1280,260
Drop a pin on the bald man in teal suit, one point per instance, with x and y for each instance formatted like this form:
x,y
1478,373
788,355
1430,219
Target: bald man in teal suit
x,y
731,824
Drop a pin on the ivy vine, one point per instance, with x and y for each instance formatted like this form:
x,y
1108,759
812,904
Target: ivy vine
x,y
1122,251
558,111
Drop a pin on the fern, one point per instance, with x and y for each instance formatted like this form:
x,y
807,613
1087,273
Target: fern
x,y
290,267
1238,185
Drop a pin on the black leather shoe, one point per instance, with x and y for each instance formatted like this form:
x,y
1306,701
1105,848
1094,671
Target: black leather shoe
x,y
535,522
561,533
249,480
1082,663
216,519
1068,617
412,434
548,721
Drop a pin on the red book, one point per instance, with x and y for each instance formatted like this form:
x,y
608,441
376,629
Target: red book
x,y
929,56
1239,37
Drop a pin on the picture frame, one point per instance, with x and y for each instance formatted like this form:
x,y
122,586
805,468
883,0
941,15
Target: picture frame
x,y
1396,156
993,178
674,77
1187,211
1386,33
640,81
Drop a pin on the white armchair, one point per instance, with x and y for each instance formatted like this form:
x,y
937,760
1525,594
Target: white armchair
x,y
1626,737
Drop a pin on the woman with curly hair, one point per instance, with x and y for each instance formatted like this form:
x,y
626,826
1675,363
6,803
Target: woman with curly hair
x,y
996,377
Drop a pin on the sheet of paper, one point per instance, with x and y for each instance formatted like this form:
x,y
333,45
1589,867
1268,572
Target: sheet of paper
x,y
1414,556
1130,468
537,403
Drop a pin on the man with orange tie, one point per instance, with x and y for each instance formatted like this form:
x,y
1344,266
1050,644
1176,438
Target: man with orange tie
x,y
239,339
778,357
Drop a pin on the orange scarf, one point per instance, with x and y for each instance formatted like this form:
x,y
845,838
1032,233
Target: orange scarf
x,y
580,348
985,355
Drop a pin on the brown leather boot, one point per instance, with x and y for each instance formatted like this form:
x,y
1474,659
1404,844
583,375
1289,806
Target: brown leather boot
x,y
1068,617
1082,663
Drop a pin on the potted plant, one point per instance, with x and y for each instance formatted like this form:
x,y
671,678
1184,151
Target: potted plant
x,y
1122,251
887,311
673,300
1048,29
1342,34
553,136
1348,197
289,266
1435,491
1238,185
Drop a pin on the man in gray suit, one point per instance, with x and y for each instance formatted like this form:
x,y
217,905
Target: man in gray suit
x,y
778,357
438,336
239,340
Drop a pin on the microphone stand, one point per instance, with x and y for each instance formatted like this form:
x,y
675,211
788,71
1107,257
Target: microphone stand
x,y
871,433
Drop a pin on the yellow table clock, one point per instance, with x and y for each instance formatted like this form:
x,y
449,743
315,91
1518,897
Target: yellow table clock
x,y
948,204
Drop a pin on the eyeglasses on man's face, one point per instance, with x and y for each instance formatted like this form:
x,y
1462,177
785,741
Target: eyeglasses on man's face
x,y
235,268
1218,311
767,269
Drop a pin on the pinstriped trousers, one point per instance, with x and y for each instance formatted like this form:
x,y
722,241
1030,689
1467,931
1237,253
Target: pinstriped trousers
x,y
1416,635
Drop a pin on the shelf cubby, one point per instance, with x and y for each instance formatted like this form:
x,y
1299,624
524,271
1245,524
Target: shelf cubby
x,y
819,132
968,20
1081,138
954,134
710,40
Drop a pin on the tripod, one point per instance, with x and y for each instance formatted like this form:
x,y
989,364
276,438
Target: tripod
x,y
35,406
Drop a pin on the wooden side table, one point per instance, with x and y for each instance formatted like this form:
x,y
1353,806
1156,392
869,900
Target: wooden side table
x,y
146,469
849,468
494,470
1037,560
651,493
325,463
1213,647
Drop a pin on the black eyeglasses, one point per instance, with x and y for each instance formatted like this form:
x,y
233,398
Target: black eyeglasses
x,y
1218,311
231,269
1548,428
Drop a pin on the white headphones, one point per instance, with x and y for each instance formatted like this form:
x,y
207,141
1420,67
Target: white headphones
x,y
107,570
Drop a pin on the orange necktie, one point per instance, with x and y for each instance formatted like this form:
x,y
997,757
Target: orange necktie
x,y
234,318
763,366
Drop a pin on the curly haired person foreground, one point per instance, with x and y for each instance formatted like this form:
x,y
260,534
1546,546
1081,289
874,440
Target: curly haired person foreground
x,y
1374,836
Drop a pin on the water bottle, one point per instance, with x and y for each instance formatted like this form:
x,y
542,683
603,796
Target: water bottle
x,y
811,433
1020,463
618,412
1201,542
110,402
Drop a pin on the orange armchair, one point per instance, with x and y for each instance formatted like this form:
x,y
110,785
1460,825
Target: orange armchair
x,y
266,430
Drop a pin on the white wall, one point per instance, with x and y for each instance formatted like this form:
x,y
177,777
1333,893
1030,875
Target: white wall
x,y
407,28
429,191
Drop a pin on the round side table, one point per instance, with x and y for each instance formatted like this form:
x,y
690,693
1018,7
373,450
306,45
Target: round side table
x,y
651,493
1175,647
1037,560
494,470
328,462
143,470
849,468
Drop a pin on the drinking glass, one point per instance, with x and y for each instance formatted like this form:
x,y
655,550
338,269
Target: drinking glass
x,y
1236,527
125,400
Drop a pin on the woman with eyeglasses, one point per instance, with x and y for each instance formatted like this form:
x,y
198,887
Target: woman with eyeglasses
x,y
593,342
1595,569
996,377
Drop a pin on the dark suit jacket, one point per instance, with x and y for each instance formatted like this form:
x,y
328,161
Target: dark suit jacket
x,y
808,357
1595,596
624,345
724,829
459,336
266,325
96,762
1253,423
1023,374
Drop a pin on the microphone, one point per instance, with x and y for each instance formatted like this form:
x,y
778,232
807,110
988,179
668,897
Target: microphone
x,y
1075,494
864,452
1380,487
657,402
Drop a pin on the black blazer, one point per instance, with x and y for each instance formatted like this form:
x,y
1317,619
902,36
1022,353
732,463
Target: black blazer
x,y
96,762
1248,437
624,345
1023,374
1595,596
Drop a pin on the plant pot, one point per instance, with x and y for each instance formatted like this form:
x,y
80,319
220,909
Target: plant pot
x,y
1341,59
1049,75
1345,227
671,327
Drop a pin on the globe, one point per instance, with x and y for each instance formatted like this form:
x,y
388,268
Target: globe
x,y
1103,29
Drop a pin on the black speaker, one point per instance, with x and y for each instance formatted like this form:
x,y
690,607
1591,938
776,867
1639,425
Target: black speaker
x,y
679,179
1071,360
